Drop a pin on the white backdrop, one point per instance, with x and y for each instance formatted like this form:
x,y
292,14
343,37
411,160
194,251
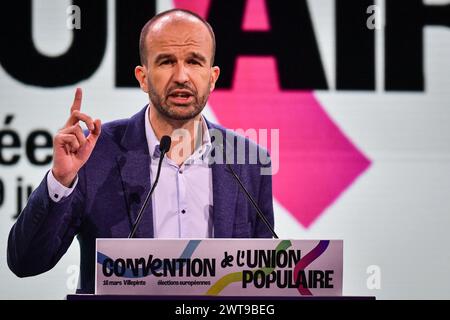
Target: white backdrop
x,y
394,218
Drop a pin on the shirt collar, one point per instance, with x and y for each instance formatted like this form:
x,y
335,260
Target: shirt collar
x,y
200,153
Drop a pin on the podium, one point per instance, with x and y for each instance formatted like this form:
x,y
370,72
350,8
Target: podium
x,y
210,269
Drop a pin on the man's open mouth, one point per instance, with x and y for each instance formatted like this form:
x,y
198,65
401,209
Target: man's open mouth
x,y
181,96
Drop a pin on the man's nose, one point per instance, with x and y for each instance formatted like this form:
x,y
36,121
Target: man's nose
x,y
181,74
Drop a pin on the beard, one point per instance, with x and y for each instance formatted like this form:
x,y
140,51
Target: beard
x,y
173,111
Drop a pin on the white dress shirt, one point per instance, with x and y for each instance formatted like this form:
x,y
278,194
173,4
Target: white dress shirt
x,y
183,199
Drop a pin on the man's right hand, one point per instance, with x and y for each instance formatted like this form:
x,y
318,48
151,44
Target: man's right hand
x,y
71,149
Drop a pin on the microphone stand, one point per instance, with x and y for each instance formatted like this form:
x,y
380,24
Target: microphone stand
x,y
255,205
164,147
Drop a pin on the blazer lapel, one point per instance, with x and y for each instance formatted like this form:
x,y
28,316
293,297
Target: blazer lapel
x,y
225,192
134,166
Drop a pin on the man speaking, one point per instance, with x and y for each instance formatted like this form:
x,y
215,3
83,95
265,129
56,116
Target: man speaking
x,y
100,179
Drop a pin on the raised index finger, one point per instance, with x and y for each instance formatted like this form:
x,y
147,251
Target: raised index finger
x,y
76,105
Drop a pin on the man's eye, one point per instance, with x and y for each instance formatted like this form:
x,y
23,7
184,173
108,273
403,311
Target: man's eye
x,y
194,62
165,62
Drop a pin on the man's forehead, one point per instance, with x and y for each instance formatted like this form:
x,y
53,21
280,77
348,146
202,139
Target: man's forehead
x,y
179,34
178,25
173,18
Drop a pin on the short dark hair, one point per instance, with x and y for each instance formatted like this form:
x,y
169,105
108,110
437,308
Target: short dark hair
x,y
145,29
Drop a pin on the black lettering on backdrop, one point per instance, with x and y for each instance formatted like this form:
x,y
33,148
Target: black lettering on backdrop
x,y
405,22
10,154
291,40
32,145
20,58
10,144
9,139
355,46
130,18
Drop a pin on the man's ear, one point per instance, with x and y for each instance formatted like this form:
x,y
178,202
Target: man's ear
x,y
214,76
140,73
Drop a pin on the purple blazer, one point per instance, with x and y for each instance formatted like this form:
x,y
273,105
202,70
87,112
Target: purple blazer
x,y
111,188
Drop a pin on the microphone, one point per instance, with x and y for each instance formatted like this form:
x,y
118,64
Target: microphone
x,y
249,197
164,146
